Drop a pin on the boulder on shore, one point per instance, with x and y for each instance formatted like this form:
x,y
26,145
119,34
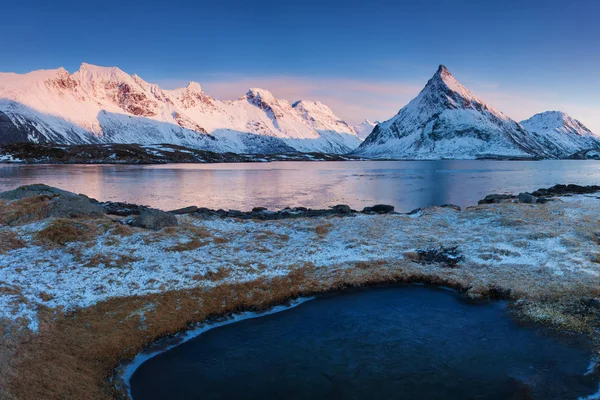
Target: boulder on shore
x,y
50,202
154,219
379,209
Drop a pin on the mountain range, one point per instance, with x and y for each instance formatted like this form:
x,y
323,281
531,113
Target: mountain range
x,y
446,120
106,105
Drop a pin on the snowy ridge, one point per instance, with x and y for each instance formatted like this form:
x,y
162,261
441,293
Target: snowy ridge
x,y
446,120
106,105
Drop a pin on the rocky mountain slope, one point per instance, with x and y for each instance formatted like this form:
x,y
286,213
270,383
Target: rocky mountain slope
x,y
106,105
560,133
446,120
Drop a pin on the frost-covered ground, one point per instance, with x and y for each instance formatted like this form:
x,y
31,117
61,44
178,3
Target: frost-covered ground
x,y
531,250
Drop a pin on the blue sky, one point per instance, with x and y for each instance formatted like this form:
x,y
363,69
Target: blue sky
x,y
364,59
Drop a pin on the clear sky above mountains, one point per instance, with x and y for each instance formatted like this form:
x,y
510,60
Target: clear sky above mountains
x,y
364,59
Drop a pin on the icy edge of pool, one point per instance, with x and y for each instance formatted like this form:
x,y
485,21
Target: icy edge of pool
x,y
128,369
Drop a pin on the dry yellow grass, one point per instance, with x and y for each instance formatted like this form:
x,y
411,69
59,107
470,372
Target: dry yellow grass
x,y
75,354
323,229
193,244
10,241
24,210
62,231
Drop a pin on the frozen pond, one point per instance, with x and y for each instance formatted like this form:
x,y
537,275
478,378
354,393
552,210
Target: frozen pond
x,y
383,343
404,184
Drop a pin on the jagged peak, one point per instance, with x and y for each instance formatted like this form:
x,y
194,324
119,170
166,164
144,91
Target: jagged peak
x,y
96,72
443,85
262,94
194,87
442,70
312,105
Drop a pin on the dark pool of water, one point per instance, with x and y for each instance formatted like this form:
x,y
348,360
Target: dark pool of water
x,y
381,343
405,184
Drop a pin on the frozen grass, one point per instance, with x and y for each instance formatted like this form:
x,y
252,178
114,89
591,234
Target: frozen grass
x,y
87,293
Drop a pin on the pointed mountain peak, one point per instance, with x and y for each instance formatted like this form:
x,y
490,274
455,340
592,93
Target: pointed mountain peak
x,y
194,87
260,93
443,70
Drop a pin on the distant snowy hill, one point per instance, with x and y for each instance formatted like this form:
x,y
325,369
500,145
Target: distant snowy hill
x,y
560,133
365,128
446,120
106,105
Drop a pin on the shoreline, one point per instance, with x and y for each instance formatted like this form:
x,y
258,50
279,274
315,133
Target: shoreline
x,y
158,154
94,291
122,376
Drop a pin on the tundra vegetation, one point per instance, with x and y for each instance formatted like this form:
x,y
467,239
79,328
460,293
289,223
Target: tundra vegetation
x,y
82,290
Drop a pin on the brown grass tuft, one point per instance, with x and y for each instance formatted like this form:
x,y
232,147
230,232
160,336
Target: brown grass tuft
x,y
10,241
62,231
323,229
24,210
193,244
218,275
220,240
111,260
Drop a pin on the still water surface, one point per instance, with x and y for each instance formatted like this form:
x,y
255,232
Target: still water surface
x,y
381,343
404,184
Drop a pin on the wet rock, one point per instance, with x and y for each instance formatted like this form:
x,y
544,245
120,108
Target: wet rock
x,y
259,209
342,209
154,219
122,209
185,210
527,198
497,198
379,209
452,206
561,190
235,214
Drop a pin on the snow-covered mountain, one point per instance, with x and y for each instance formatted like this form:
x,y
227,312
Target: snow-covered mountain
x,y
106,105
365,128
562,134
446,120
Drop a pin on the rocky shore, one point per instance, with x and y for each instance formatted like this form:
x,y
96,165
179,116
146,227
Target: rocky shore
x,y
39,153
86,284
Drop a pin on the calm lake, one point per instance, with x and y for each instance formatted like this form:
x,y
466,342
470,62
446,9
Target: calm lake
x,y
404,184
406,342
